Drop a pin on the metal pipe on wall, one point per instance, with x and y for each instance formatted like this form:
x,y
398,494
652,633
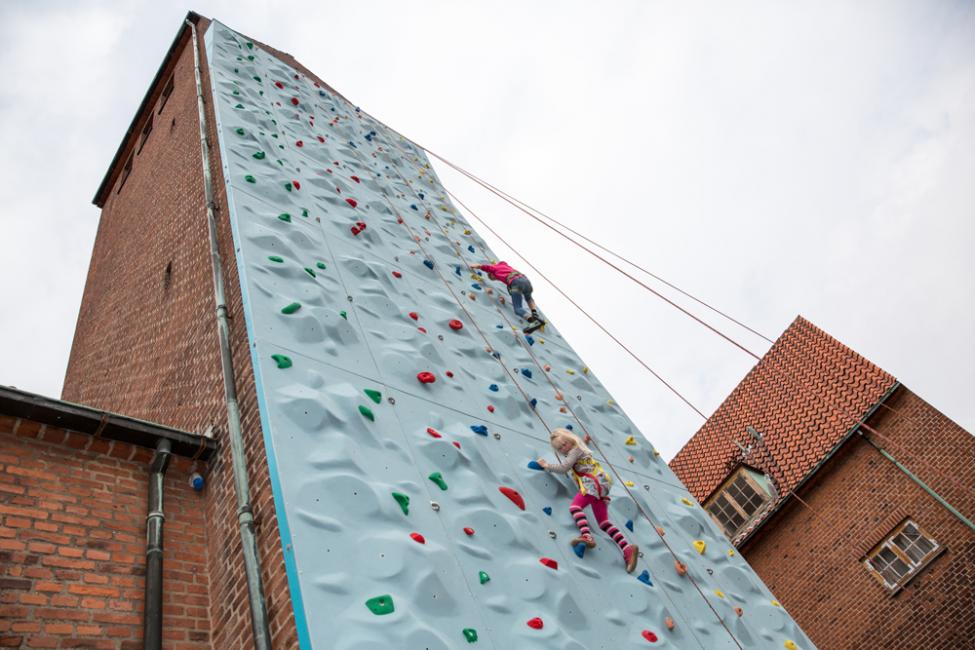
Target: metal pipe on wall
x,y
245,515
152,620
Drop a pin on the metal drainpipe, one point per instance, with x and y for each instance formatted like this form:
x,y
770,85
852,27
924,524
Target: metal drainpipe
x,y
937,497
245,515
152,635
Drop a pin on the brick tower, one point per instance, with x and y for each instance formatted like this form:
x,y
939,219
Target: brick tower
x,y
390,406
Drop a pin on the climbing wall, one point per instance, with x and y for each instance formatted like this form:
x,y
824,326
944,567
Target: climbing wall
x,y
402,406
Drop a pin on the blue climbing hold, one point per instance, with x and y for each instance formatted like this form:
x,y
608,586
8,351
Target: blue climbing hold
x,y
479,429
533,402
580,549
476,285
420,194
496,355
493,388
457,270
645,578
413,205
428,264
547,510
530,339
470,248
629,525
499,326
533,464
526,372
569,427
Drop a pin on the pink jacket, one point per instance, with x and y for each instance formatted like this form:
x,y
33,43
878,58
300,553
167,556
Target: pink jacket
x,y
500,271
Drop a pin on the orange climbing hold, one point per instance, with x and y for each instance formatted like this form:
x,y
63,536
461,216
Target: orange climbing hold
x,y
669,622
680,567
513,495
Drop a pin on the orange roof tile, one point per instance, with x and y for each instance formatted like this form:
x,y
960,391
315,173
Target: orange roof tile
x,y
804,395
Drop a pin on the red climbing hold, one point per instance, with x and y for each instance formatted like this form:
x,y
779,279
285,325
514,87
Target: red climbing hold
x,y
294,101
356,229
299,143
296,184
456,444
469,531
422,329
649,636
352,202
433,432
449,373
426,377
536,623
279,84
550,563
414,315
513,495
320,138
397,274
455,324
418,538
399,219
490,408
356,179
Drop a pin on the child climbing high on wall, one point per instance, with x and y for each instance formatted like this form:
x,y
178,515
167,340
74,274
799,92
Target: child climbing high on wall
x,y
594,485
519,287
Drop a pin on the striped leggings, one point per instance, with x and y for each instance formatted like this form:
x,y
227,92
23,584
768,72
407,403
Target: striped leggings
x,y
577,509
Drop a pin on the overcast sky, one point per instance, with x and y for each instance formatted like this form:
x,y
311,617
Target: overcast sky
x,y
813,158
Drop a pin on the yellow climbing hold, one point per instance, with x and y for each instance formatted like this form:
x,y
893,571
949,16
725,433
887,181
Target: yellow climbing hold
x,y
719,593
700,546
629,483
630,441
656,453
687,502
790,645
610,402
777,603
571,372
585,370
731,553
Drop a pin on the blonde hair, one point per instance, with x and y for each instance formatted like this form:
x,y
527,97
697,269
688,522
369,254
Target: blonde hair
x,y
565,433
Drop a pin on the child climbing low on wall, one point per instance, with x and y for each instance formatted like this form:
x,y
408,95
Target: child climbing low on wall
x,y
594,483
519,287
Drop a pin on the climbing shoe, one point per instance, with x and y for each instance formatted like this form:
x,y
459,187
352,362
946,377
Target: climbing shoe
x,y
533,324
583,539
630,555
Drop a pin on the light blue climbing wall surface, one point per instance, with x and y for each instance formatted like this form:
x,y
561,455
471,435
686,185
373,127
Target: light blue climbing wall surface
x,y
409,515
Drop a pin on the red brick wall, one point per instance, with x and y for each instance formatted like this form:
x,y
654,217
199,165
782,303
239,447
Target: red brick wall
x,y
149,349
812,560
72,543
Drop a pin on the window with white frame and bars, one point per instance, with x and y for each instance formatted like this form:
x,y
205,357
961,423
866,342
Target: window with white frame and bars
x,y
901,555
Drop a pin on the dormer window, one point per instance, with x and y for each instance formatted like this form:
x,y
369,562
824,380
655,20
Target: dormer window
x,y
739,500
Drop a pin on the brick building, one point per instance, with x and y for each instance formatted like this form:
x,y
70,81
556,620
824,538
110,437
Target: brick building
x,y
822,469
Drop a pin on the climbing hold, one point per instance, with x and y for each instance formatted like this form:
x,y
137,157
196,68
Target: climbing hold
x,y
790,645
321,265
776,603
414,315
426,377
526,372
284,216
739,611
629,525
456,444
309,272
490,408
479,429
700,546
397,274
547,367
649,636
367,413
669,622
533,402
470,634
404,502
645,578
418,538
687,502
292,308
239,131
550,563
355,178
437,478
275,258
533,464
731,553
483,577
380,605
536,623
455,324
282,360
580,549
547,510
352,202
374,395
468,531
530,339
250,179
629,483
630,441
428,264
259,155
719,593
433,432
299,143
680,567
661,531
344,315
513,495
448,373
294,101
470,248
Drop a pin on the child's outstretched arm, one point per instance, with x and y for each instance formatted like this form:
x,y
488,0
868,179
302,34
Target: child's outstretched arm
x,y
564,466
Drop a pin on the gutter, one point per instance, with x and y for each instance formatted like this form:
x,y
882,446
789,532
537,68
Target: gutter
x,y
832,452
152,620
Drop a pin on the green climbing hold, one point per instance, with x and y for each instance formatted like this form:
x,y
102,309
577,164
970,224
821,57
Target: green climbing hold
x,y
374,395
284,216
380,605
344,315
239,106
275,258
437,478
241,131
282,360
367,413
309,272
287,186
483,577
470,634
404,502
259,155
250,179
250,46
320,265
256,78
250,57
292,308
304,212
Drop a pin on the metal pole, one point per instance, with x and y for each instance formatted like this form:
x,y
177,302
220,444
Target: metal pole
x,y
245,515
152,626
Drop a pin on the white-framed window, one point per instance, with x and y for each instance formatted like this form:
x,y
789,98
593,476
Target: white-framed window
x,y
739,500
901,555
